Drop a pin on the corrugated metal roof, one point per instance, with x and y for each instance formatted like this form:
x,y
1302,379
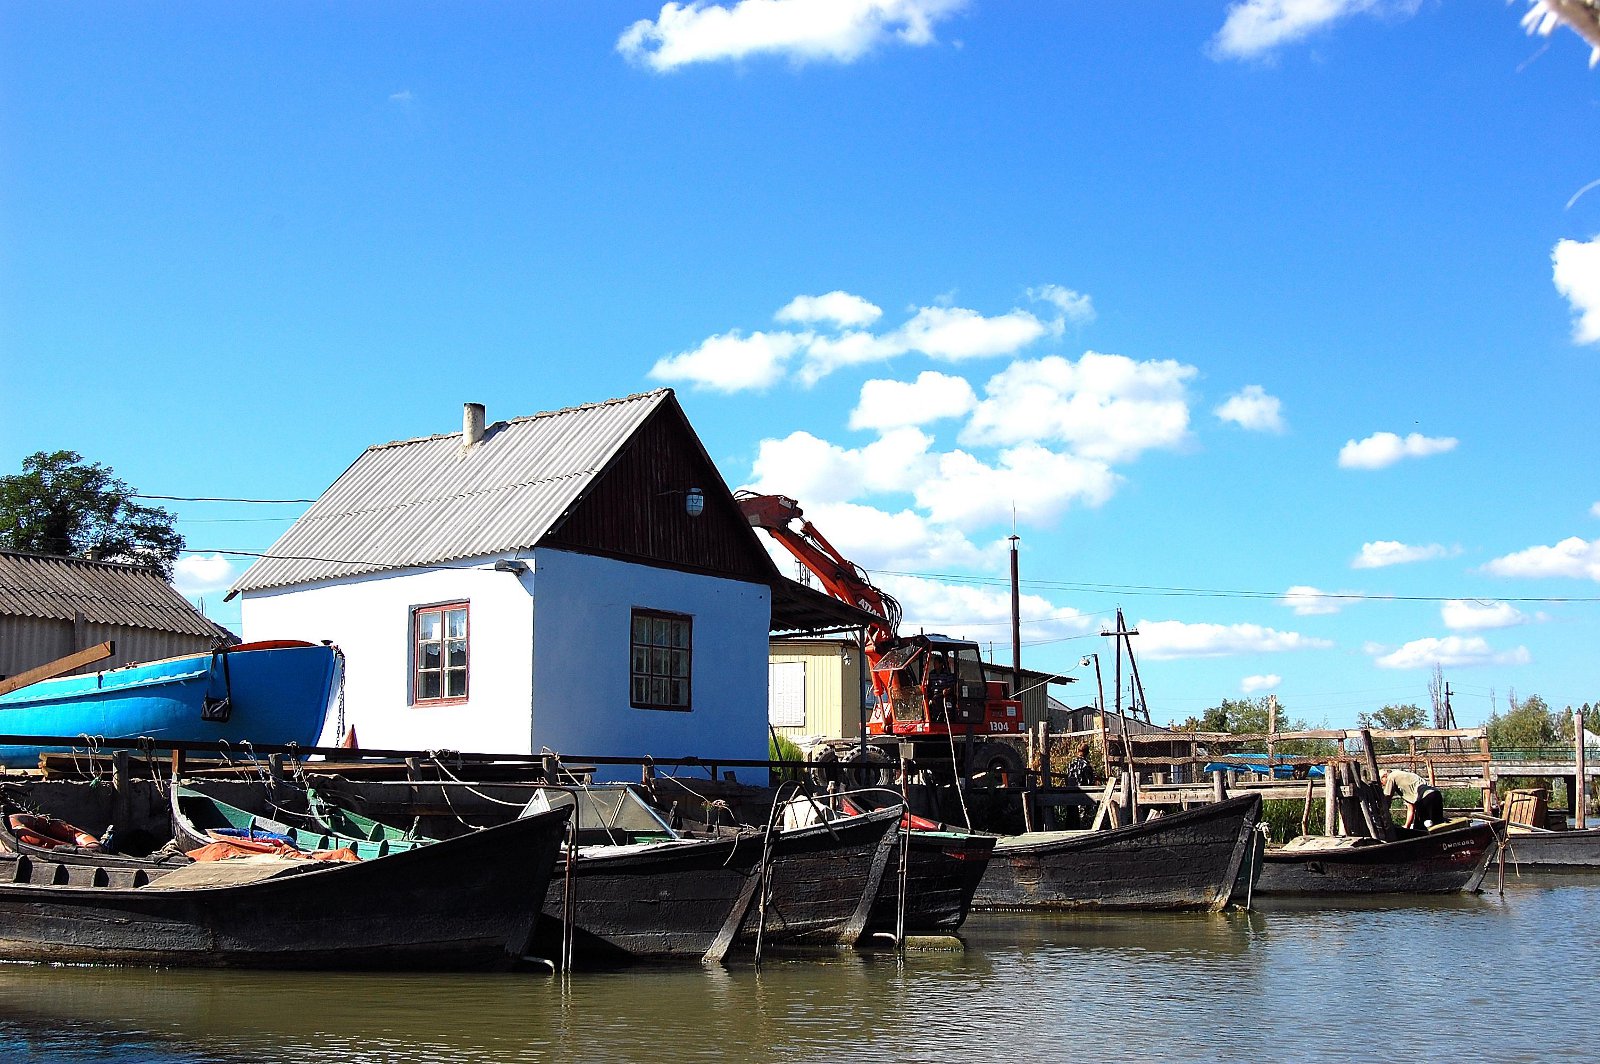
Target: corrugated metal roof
x,y
55,588
428,501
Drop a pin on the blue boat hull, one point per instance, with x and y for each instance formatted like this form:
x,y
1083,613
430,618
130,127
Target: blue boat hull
x,y
274,693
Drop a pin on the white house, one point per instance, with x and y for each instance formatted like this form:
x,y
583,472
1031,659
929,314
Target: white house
x,y
579,581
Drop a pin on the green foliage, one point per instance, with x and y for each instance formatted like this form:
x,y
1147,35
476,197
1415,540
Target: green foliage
x,y
1283,817
1249,716
1394,718
781,749
1530,725
60,504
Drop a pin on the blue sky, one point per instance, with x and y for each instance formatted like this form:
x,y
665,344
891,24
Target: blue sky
x,y
1234,306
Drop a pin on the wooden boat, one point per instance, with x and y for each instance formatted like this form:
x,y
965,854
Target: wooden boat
x,y
636,889
1451,858
942,873
273,692
1182,861
467,903
823,879
199,818
1529,847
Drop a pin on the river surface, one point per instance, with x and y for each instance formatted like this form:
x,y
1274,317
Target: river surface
x,y
1502,978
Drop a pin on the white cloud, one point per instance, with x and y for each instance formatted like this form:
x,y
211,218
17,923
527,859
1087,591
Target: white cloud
x,y
1450,652
1308,601
1385,552
1252,408
1383,449
197,574
1577,278
1572,557
840,31
1105,407
814,471
402,97
980,612
1464,615
904,540
732,362
956,333
1075,307
1251,684
1254,27
837,308
1034,482
890,404
1595,510
1168,640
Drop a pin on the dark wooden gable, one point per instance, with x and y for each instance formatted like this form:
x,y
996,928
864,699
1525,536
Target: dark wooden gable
x,y
635,510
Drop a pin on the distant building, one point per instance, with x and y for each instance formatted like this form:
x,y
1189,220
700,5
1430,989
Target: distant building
x,y
53,606
579,581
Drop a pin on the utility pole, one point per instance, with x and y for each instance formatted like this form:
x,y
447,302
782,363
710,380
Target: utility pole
x,y
1016,621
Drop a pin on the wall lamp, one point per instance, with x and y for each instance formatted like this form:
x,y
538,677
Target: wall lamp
x,y
694,500
510,565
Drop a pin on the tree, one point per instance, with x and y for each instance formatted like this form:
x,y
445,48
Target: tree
x,y
1394,718
61,504
1529,725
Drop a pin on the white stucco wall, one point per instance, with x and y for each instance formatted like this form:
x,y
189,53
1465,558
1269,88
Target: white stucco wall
x,y
369,618
583,613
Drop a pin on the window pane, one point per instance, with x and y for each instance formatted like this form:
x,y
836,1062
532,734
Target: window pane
x,y
458,654
641,689
428,656
661,632
456,683
680,634
680,693
680,663
428,685
660,662
641,628
457,620
641,661
659,691
427,626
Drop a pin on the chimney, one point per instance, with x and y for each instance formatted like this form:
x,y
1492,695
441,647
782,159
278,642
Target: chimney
x,y
471,425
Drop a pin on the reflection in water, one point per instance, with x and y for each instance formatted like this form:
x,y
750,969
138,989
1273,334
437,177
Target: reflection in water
x,y
1435,978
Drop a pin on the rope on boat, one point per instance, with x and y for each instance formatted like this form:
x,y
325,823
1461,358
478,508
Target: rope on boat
x,y
961,791
569,901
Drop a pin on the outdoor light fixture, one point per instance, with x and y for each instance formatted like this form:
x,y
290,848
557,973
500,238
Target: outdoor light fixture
x,y
694,502
510,565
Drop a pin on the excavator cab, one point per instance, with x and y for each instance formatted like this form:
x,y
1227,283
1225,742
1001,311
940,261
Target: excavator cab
x,y
931,681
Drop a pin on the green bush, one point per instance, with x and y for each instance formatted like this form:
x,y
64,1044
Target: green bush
x,y
781,749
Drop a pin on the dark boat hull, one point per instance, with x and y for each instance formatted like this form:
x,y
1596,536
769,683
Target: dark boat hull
x,y
673,901
1555,849
1182,861
943,870
1441,862
469,903
823,881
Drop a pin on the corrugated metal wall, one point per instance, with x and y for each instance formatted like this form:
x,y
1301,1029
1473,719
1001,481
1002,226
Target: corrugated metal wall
x,y
833,688
26,643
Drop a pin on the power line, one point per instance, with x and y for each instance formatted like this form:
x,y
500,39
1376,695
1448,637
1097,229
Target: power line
x,y
214,498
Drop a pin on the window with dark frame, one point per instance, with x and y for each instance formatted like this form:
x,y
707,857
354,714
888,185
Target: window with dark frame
x,y
439,653
661,648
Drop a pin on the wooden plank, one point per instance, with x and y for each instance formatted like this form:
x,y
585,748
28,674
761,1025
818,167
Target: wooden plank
x,y
52,669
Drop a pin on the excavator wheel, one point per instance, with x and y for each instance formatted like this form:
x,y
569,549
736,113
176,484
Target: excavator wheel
x,y
866,767
824,766
996,764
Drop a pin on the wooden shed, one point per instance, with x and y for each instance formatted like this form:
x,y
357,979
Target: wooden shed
x,y
52,606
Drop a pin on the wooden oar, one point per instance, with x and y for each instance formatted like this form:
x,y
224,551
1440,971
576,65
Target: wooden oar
x,y
98,652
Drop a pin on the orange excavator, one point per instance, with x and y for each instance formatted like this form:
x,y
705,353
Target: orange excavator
x,y
924,686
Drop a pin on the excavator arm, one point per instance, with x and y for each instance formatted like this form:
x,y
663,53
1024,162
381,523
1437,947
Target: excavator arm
x,y
785,522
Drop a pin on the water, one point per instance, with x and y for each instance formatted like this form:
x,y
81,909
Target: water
x,y
1502,978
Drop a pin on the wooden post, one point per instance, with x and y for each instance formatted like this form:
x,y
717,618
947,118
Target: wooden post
x,y
1580,795
1044,753
121,789
177,764
1219,788
1330,798
1488,774
1272,732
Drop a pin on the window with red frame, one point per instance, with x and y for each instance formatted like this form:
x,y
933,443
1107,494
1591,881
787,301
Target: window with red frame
x,y
661,647
439,653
